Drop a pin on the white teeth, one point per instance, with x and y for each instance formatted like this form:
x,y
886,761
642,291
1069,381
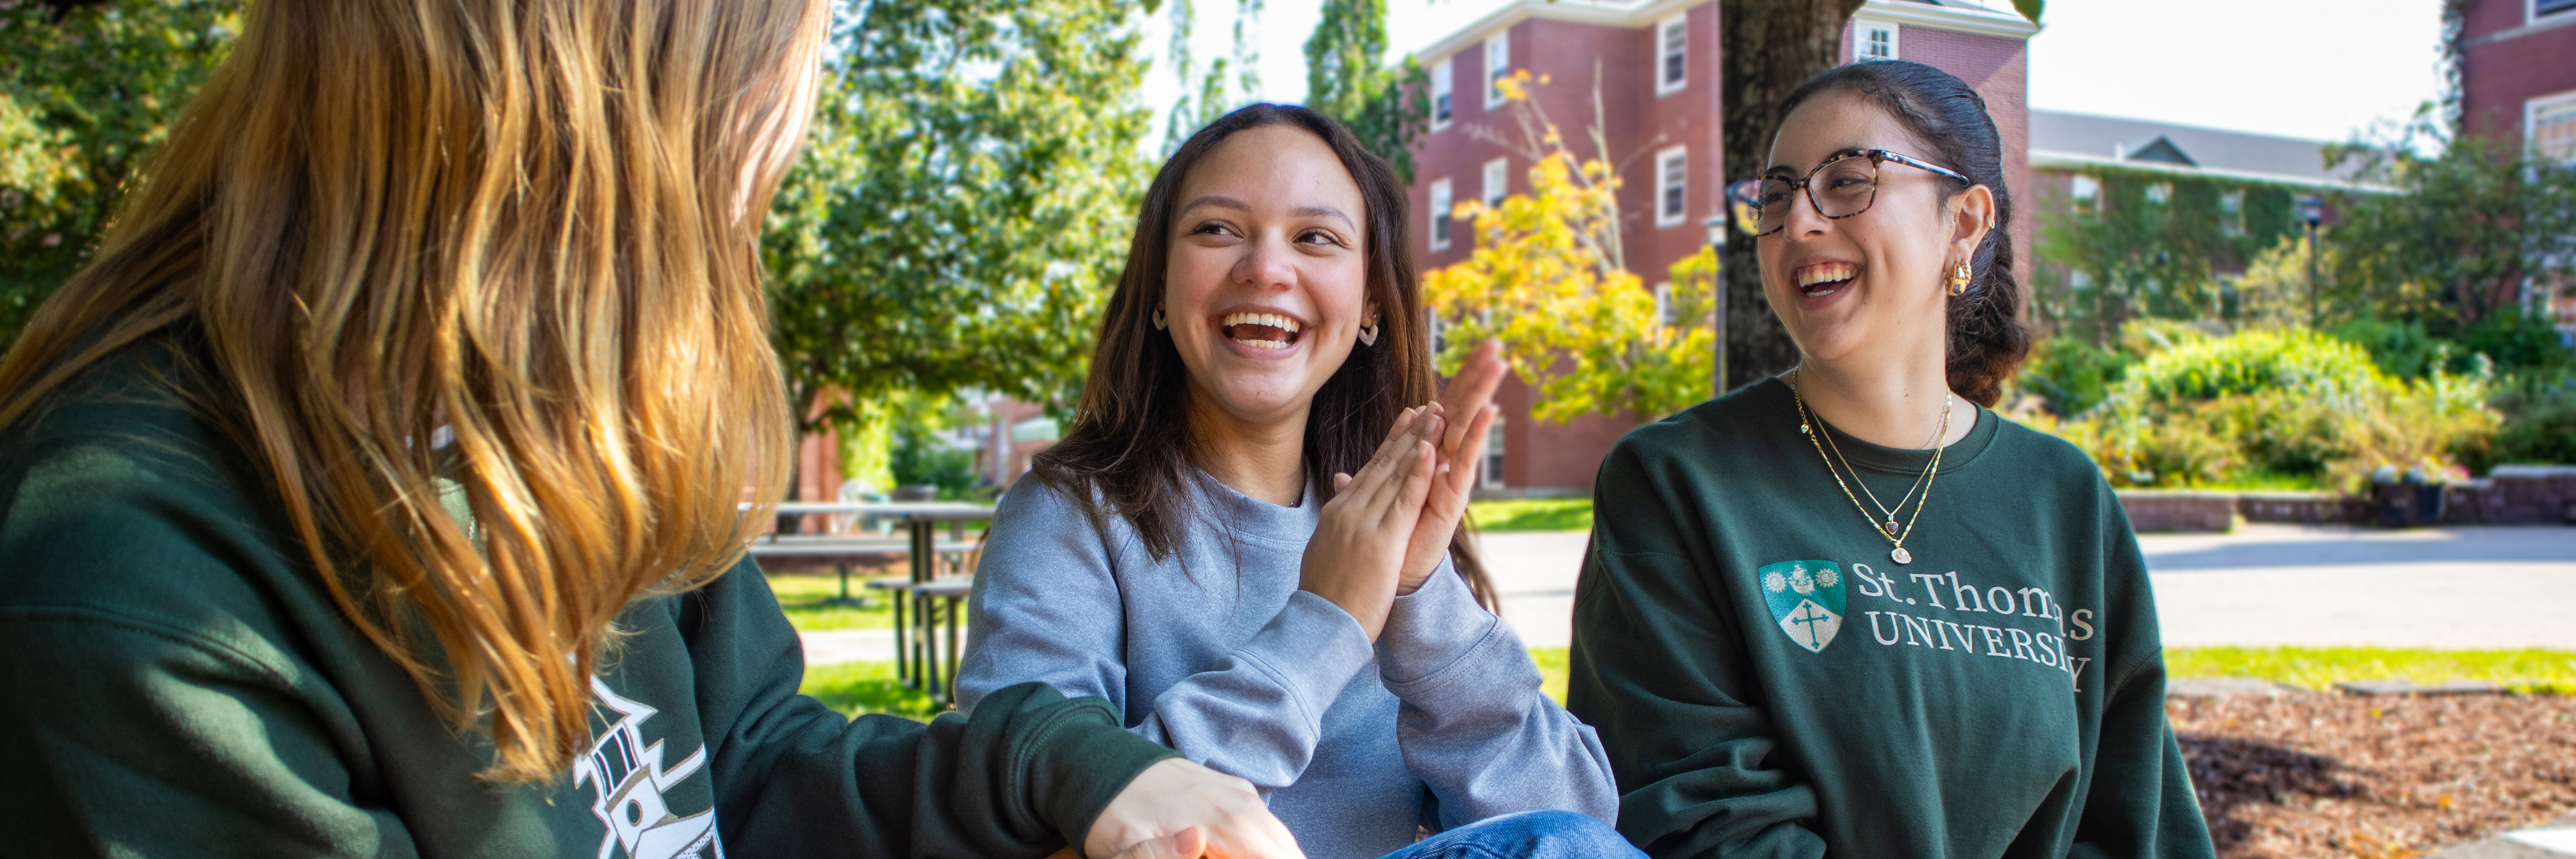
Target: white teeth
x,y
1273,320
1822,273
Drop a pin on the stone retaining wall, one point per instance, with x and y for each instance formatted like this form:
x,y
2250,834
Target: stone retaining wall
x,y
2511,495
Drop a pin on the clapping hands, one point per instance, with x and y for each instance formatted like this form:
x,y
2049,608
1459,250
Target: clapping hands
x,y
1388,525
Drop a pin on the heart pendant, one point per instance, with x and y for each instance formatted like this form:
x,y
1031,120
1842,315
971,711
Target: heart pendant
x,y
1902,556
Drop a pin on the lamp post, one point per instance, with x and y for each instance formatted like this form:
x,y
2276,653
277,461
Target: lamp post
x,y
1717,246
2312,211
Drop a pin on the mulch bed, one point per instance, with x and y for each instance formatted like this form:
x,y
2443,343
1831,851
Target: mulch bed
x,y
2326,775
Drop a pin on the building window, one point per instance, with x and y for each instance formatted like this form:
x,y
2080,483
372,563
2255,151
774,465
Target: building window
x,y
2159,193
2079,280
1492,473
2542,8
1664,303
2085,191
1672,54
2549,125
1443,82
1498,64
2231,213
1672,181
1873,40
1441,203
1498,177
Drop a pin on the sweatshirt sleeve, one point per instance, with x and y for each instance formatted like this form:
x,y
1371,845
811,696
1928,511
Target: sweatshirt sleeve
x,y
132,736
1472,724
1047,609
2140,800
1660,670
1025,775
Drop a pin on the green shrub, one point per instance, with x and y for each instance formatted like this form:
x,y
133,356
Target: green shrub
x,y
2401,349
2540,426
2273,407
2298,362
2070,374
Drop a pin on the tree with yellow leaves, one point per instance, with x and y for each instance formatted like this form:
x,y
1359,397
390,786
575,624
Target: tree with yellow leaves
x,y
1548,279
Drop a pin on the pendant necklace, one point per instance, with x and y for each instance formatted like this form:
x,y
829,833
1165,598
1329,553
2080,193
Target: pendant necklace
x,y
1888,529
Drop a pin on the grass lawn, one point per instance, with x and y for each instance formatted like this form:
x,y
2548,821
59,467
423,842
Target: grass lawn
x,y
859,688
2319,668
1533,514
812,602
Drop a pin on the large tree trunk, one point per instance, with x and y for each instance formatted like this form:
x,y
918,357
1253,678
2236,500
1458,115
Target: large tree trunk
x,y
1770,46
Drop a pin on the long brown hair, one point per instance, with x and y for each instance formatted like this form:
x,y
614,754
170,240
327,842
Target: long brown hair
x,y
1130,442
528,223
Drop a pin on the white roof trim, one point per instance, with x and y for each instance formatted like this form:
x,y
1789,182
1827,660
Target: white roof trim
x,y
2048,158
1963,19
1634,14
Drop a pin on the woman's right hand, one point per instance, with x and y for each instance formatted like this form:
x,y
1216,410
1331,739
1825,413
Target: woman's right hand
x,y
1176,796
1357,553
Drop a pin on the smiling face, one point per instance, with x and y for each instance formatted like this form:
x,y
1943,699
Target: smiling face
x,y
1873,281
1266,286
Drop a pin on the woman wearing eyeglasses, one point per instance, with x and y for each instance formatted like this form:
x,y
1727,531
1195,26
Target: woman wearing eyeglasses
x,y
1849,610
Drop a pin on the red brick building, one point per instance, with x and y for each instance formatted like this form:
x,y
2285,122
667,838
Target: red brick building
x,y
2518,83
2518,73
1654,63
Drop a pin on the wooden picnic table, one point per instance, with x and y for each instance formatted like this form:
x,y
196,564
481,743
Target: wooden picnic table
x,y
917,661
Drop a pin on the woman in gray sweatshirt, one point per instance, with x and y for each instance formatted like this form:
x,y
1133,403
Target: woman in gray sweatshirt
x,y
1248,542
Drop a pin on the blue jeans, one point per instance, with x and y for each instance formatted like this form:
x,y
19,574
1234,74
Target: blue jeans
x,y
1527,835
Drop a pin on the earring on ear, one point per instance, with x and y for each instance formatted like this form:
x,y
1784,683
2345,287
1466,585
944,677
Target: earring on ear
x,y
1990,222
1959,278
1158,319
1368,334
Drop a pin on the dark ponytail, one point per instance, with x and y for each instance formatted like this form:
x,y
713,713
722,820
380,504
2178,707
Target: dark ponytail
x,y
1987,342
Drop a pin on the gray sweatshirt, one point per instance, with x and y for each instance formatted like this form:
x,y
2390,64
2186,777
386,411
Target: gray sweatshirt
x,y
1216,653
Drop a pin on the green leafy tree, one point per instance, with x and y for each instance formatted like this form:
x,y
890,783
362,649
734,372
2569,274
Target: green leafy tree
x,y
1548,280
2152,244
2473,221
1387,106
962,206
86,90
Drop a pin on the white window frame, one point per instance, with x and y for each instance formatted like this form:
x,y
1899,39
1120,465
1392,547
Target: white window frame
x,y
1861,40
2531,13
2084,191
1490,471
1498,63
1664,303
1667,83
2531,120
1443,198
1444,89
1498,182
1665,182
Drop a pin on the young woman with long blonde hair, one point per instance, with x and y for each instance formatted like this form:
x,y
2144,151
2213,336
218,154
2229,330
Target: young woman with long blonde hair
x,y
375,491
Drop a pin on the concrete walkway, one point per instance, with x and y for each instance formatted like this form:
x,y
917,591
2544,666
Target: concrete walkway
x,y
2469,587
2455,588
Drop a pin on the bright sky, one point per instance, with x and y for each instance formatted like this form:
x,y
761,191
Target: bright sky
x,y
2298,68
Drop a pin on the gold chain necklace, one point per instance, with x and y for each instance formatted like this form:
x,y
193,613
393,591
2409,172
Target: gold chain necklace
x,y
1919,479
1888,530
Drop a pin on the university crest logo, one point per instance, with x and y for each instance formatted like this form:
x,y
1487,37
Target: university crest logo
x,y
1806,598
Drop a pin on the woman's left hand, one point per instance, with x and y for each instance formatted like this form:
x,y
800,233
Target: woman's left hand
x,y
1469,404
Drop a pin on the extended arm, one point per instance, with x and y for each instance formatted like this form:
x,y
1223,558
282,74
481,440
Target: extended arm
x,y
1047,609
1473,725
2139,801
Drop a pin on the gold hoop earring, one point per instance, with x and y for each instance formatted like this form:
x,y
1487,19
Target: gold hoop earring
x,y
1959,278
1158,319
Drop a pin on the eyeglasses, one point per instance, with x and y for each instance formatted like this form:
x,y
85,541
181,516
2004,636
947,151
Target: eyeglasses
x,y
1841,187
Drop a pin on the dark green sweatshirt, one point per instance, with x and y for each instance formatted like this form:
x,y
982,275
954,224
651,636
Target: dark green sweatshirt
x,y
179,684
1769,682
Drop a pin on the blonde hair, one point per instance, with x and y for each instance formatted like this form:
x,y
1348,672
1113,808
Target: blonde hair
x,y
525,222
